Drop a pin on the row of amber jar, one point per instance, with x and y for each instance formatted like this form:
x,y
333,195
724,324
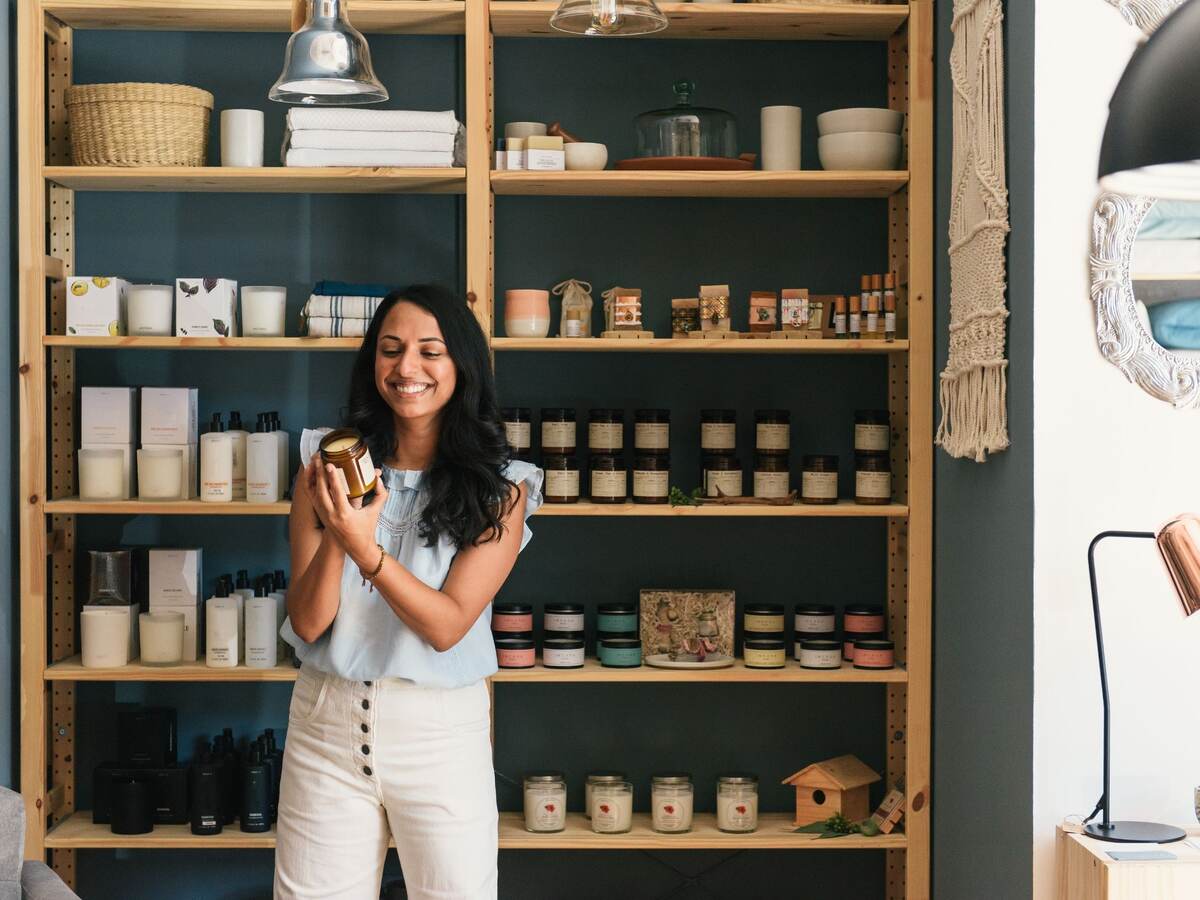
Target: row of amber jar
x,y
608,478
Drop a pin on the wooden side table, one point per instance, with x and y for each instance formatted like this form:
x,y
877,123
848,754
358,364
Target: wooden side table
x,y
1087,872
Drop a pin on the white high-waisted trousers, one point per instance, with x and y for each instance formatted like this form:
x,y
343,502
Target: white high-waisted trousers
x,y
368,759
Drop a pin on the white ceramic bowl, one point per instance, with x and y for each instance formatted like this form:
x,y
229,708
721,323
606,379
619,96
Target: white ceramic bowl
x,y
584,157
860,118
869,150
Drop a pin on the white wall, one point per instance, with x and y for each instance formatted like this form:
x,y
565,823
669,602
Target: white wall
x,y
1106,456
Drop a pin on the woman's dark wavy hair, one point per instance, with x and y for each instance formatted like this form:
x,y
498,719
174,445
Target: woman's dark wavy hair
x,y
468,497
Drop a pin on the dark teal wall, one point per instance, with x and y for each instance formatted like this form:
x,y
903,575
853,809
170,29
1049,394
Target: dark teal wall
x,y
983,517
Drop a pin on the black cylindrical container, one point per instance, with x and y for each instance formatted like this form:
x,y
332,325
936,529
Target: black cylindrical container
x,y
256,795
132,807
226,757
205,806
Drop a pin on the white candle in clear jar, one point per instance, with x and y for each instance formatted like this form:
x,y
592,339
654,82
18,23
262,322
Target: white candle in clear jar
x,y
612,807
593,779
737,806
545,804
671,807
151,310
264,309
161,635
160,474
102,474
104,637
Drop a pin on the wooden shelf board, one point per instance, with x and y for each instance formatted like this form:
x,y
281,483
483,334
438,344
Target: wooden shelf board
x,y
612,183
759,21
73,506
843,509
271,180
375,16
71,669
200,343
774,832
592,671
683,345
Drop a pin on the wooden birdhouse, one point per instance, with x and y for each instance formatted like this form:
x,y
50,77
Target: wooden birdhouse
x,y
834,786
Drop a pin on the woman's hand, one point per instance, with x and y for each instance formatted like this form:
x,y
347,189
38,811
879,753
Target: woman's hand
x,y
349,522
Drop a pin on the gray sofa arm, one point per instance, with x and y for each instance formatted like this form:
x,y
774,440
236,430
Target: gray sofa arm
x,y
40,882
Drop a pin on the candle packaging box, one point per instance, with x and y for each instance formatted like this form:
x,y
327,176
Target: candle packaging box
x,y
175,579
128,485
545,153
187,490
795,309
130,613
673,621
206,307
169,416
108,415
763,311
96,305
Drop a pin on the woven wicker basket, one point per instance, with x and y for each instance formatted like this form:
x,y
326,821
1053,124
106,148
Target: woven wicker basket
x,y
136,124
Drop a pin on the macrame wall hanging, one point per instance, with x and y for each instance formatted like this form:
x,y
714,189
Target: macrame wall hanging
x,y
973,384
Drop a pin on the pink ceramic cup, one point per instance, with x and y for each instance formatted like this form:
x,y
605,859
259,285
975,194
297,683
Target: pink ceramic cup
x,y
527,313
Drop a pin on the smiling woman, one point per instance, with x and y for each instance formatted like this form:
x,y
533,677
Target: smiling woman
x,y
389,612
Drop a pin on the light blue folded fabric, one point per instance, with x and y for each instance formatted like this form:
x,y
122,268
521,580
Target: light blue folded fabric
x,y
1171,220
1176,325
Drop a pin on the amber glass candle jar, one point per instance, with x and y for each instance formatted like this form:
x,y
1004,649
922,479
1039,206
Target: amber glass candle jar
x,y
518,429
772,431
872,480
562,479
652,431
651,478
722,475
872,431
606,431
772,481
608,481
346,449
558,431
718,430
819,480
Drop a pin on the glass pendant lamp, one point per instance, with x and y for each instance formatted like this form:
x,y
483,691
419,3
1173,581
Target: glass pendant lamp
x,y
608,17
327,62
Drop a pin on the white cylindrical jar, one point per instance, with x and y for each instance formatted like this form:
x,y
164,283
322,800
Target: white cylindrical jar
x,y
737,803
589,784
671,803
160,635
102,474
104,637
264,310
612,807
160,474
221,632
216,463
545,802
261,645
566,617
780,138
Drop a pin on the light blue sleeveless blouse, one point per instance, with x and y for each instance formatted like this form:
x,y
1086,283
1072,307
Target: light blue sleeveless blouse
x,y
368,640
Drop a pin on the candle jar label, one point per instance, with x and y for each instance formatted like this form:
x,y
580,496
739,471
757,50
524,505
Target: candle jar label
x,y
772,436
651,436
558,434
672,813
771,485
606,436
876,485
764,624
554,658
650,484
872,438
562,621
728,482
518,435
562,482
608,484
718,435
819,485
814,624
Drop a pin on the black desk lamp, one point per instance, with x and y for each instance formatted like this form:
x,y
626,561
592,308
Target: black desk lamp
x,y
1179,544
1151,141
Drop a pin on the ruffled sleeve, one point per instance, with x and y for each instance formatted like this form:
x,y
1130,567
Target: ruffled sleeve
x,y
520,472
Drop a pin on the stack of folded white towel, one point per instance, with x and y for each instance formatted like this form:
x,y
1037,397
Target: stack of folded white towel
x,y
321,136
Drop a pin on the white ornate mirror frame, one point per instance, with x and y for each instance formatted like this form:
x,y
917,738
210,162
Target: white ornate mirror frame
x,y
1124,340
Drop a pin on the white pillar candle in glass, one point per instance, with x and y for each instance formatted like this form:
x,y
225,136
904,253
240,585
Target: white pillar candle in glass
x,y
151,310
612,807
161,634
104,637
264,309
102,474
160,474
780,138
241,137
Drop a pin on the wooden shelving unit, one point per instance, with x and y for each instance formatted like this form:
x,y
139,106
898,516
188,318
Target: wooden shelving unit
x,y
612,183
50,667
71,669
774,833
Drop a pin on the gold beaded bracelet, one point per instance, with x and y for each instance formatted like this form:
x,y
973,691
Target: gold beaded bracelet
x,y
379,568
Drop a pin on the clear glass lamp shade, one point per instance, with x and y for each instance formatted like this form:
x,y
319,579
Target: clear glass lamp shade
x,y
608,17
327,62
